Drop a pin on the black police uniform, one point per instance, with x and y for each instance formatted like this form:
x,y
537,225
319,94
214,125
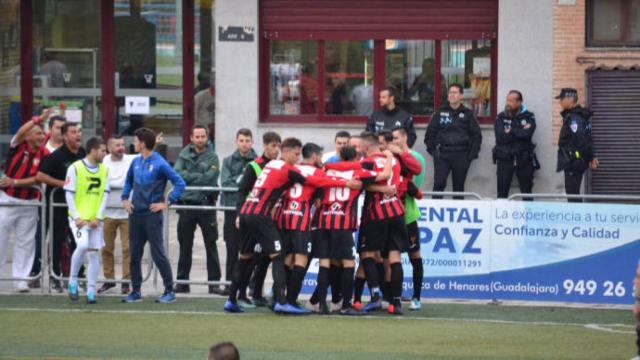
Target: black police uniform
x,y
514,150
386,119
575,148
453,138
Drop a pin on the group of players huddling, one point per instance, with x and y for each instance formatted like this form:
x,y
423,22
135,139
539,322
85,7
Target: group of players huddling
x,y
292,211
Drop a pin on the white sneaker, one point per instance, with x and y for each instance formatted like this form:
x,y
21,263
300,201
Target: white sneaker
x,y
635,358
336,307
312,307
385,305
22,287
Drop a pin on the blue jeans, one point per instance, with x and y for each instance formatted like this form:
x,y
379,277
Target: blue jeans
x,y
145,227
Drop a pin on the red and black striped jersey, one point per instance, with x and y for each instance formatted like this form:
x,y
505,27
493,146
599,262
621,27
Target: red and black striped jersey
x,y
339,210
298,201
378,205
276,177
23,163
409,166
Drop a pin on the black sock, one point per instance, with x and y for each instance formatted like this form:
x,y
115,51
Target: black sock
x,y
347,286
237,278
418,274
323,284
314,297
386,291
358,289
295,284
259,275
396,283
279,279
638,338
372,277
288,270
335,275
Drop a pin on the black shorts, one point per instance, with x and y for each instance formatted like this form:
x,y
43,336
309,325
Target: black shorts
x,y
334,244
384,236
413,233
259,234
296,242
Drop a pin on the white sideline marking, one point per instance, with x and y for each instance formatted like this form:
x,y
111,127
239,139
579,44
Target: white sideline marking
x,y
605,328
596,327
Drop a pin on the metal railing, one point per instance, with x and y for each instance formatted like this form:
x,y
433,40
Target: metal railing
x,y
465,194
38,204
198,208
49,248
519,196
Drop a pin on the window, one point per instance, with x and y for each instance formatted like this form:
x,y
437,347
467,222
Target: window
x,y
613,23
348,69
468,63
338,80
293,82
410,68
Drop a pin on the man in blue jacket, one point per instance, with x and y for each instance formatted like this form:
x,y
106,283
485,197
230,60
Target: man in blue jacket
x,y
147,177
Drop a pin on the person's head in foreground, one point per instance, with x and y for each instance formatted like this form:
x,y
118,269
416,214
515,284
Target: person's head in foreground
x,y
224,351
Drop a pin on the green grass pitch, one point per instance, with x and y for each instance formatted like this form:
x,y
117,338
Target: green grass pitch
x,y
51,327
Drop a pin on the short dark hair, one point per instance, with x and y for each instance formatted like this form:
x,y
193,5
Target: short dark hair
x,y
199,126
291,143
244,132
271,137
342,134
517,93
370,137
456,85
224,351
400,129
348,153
67,125
93,143
54,118
388,136
392,91
309,149
147,136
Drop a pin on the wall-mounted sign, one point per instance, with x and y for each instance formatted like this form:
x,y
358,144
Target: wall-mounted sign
x,y
236,33
138,105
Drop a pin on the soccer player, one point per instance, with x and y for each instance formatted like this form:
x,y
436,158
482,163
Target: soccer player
x,y
256,223
408,191
86,190
384,232
338,220
295,220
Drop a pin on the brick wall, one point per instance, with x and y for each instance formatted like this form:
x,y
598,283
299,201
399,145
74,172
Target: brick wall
x,y
571,59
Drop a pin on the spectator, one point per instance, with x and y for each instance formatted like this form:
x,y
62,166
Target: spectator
x,y
198,165
26,150
147,178
224,351
53,140
52,172
341,140
116,219
54,137
205,103
232,169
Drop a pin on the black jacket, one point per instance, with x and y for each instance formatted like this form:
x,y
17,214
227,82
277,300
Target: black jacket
x,y
518,140
575,140
390,119
247,180
453,130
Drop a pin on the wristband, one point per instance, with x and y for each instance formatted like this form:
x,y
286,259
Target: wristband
x,y
36,120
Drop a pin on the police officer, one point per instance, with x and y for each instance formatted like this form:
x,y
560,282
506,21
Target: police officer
x,y
453,138
391,116
513,152
575,147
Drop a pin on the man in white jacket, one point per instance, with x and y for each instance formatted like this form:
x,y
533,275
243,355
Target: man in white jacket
x,y
116,218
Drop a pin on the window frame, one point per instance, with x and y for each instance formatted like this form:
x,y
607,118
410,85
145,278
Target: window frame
x,y
379,73
625,28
